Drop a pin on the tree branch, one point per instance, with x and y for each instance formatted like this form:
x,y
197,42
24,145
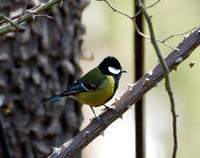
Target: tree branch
x,y
17,27
144,84
28,16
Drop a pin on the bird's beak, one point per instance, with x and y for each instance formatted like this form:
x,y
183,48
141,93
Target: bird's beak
x,y
122,71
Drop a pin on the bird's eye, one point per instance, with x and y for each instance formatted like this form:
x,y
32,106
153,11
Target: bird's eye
x,y
113,70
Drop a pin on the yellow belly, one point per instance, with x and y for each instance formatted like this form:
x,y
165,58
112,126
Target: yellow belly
x,y
100,96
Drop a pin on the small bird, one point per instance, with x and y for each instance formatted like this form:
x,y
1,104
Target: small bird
x,y
97,86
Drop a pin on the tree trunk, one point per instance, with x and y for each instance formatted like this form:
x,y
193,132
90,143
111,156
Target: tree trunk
x,y
37,64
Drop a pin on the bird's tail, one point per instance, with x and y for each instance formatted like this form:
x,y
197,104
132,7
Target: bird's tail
x,y
56,97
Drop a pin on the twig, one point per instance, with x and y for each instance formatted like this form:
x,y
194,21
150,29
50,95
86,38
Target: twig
x,y
123,13
118,11
152,5
177,34
44,16
148,37
28,16
16,26
145,83
138,31
24,10
165,71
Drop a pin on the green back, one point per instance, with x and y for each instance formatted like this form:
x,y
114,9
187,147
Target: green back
x,y
95,77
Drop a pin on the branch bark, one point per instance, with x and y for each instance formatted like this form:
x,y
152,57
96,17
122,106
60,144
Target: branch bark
x,y
28,16
144,84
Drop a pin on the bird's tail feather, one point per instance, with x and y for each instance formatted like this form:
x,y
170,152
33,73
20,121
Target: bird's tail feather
x,y
51,99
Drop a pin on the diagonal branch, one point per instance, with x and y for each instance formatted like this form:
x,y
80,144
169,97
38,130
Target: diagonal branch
x,y
144,84
28,16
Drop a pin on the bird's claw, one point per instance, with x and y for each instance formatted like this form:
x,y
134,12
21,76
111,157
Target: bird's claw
x,y
107,108
100,120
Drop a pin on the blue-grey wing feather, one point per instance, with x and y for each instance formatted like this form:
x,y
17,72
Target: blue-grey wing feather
x,y
78,87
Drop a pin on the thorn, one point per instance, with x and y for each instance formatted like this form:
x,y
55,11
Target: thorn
x,y
157,84
46,16
199,32
56,150
146,82
191,64
121,116
102,133
117,99
86,134
175,68
33,14
177,49
130,86
179,60
130,107
177,115
150,72
185,36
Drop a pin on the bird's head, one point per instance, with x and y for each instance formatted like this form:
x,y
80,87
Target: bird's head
x,y
111,66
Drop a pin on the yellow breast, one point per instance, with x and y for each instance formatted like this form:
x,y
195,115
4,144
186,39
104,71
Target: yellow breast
x,y
100,96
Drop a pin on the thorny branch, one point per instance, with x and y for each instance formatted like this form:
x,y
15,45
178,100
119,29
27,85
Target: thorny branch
x,y
12,26
135,92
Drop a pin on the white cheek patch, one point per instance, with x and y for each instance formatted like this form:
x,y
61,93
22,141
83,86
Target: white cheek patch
x,y
113,70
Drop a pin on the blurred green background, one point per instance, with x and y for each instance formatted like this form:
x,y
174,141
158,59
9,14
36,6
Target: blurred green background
x,y
109,33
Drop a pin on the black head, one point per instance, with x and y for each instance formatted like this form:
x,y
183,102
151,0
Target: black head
x,y
111,66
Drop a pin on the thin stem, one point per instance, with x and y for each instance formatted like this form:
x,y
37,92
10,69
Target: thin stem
x,y
177,34
165,70
125,14
137,29
17,27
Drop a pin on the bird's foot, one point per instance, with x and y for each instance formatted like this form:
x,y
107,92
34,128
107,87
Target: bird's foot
x,y
107,108
100,120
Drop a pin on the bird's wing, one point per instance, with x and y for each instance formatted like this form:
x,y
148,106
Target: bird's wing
x,y
78,87
89,82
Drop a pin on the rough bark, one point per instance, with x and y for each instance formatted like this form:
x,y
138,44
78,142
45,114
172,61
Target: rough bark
x,y
36,64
